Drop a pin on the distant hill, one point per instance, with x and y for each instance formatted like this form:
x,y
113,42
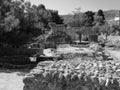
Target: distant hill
x,y
109,14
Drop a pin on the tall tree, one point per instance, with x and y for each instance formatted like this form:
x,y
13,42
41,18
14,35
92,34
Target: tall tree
x,y
88,18
54,17
100,18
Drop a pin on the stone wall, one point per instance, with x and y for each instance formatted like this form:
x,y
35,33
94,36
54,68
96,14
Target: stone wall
x,y
62,75
58,35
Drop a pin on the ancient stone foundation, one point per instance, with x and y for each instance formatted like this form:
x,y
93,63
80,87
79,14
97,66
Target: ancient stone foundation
x,y
61,75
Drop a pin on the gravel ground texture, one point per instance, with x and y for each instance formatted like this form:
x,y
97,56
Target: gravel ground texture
x,y
11,81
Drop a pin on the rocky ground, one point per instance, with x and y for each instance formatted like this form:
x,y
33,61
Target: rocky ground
x,y
76,71
73,73
66,75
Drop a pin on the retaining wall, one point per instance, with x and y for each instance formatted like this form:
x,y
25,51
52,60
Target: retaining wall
x,y
88,75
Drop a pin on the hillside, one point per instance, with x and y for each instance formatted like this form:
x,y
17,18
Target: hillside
x,y
109,14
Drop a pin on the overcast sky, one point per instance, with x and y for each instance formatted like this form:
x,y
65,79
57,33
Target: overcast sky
x,y
67,6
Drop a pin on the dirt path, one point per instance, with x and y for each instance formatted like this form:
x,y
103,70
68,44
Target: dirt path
x,y
11,81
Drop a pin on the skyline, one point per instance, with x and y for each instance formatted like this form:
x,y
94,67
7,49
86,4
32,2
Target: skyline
x,y
68,6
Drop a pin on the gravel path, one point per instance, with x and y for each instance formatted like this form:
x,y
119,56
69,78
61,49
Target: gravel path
x,y
11,81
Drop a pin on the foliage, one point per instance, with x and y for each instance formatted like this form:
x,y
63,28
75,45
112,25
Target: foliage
x,y
73,20
88,19
20,21
109,14
91,23
96,29
104,29
75,23
11,23
116,29
100,18
85,30
55,17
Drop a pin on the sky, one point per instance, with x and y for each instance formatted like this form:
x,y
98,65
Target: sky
x,y
68,6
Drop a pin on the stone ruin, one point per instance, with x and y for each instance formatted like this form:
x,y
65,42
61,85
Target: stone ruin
x,y
62,75
57,27
58,34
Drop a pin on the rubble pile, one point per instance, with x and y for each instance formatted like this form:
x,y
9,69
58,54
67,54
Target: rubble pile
x,y
63,75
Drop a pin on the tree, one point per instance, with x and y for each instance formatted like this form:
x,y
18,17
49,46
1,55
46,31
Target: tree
x,y
77,18
100,18
20,21
84,31
11,23
96,29
105,30
54,17
88,19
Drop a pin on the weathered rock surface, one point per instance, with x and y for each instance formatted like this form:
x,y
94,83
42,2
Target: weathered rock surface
x,y
62,75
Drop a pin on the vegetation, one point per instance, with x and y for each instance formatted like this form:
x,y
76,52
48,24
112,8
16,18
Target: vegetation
x,y
20,21
88,19
100,18
109,14
93,23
